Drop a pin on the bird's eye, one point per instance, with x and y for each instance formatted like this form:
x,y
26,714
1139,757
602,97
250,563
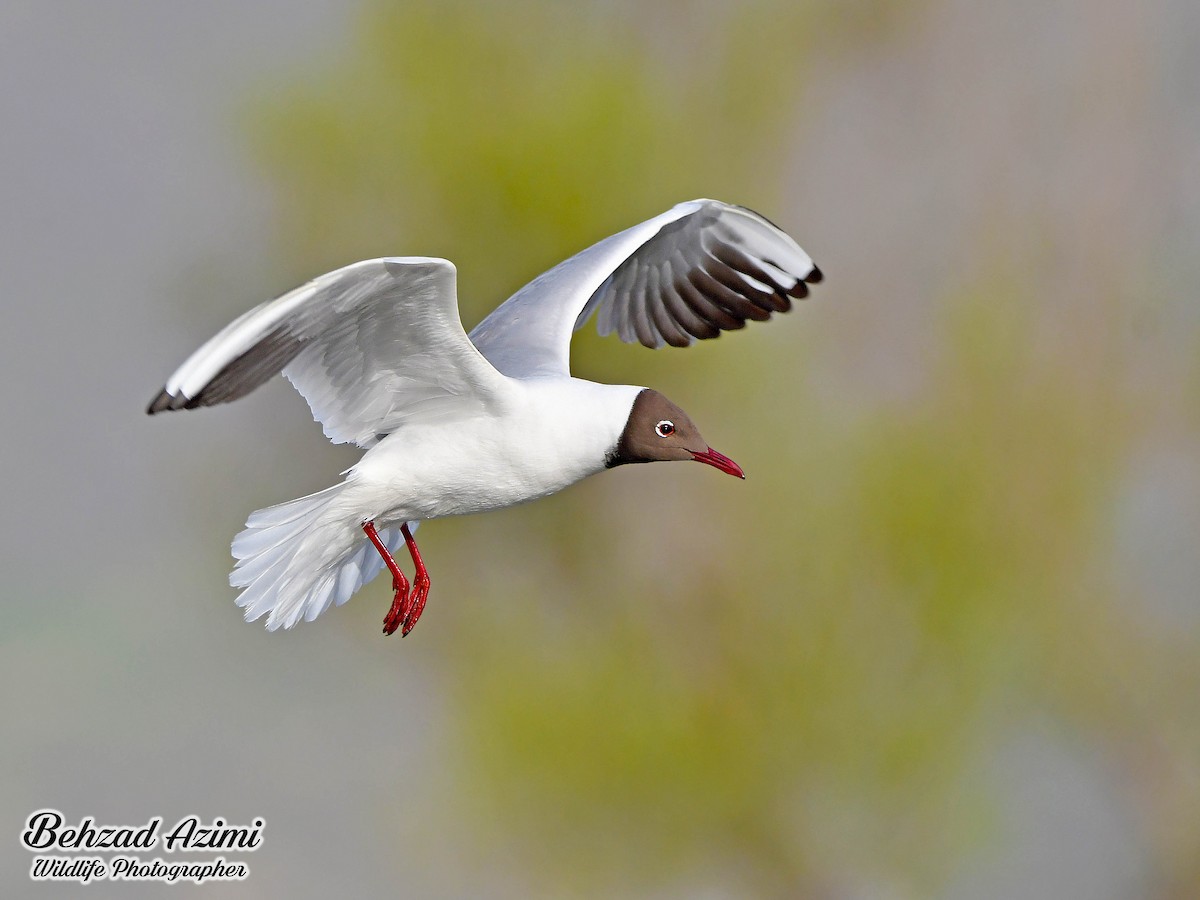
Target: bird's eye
x,y
665,428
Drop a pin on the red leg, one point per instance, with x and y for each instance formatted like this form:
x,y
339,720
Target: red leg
x,y
420,591
401,603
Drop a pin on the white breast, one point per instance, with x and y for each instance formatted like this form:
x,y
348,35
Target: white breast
x,y
556,432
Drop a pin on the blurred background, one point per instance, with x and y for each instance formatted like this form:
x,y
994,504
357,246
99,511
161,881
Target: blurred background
x,y
943,642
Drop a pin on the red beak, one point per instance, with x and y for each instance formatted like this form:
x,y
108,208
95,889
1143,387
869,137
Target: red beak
x,y
719,461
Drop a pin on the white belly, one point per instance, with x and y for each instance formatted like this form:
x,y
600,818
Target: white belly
x,y
557,435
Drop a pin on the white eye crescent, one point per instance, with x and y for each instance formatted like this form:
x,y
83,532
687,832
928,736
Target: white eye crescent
x,y
665,428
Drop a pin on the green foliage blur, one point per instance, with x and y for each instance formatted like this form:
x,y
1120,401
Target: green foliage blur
x,y
661,673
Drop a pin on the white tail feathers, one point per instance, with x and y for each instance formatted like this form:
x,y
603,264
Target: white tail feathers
x,y
296,559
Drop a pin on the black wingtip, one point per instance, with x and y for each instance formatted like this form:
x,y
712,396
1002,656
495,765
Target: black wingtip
x,y
163,402
799,290
816,276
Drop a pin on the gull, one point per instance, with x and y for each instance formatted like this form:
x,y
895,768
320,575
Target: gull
x,y
455,423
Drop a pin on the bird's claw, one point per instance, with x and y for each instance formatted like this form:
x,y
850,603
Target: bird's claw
x,y
401,606
406,604
420,593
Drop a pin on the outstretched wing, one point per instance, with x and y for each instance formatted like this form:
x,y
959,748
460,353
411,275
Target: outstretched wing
x,y
698,269
368,346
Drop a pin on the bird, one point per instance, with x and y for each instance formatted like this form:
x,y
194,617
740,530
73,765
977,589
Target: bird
x,y
455,423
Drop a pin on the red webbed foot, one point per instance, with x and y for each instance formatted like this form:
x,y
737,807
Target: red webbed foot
x,y
402,602
420,591
407,605
401,606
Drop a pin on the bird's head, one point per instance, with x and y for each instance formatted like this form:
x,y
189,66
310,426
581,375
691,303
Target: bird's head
x,y
658,430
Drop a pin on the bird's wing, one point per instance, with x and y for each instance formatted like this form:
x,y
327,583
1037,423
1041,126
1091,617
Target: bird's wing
x,y
698,269
370,346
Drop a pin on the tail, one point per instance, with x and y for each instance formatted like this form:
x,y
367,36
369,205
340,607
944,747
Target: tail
x,y
296,559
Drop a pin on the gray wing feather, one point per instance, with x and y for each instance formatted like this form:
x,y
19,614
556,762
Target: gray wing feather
x,y
700,268
369,346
